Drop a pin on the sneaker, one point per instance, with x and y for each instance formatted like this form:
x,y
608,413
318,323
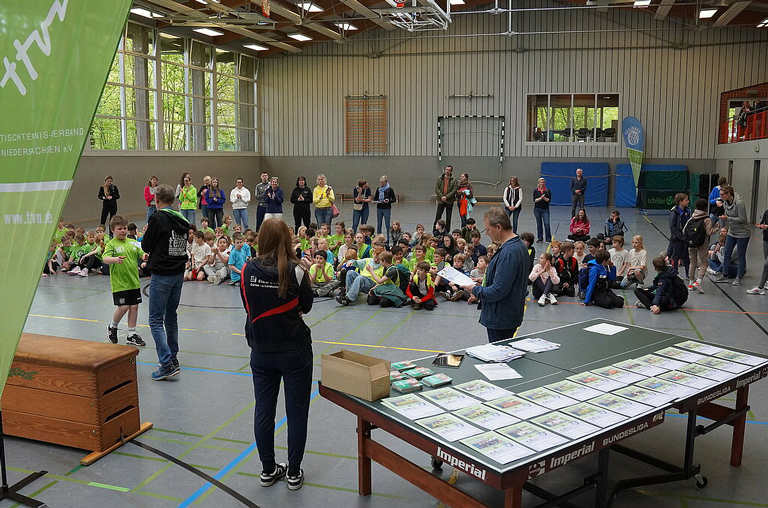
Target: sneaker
x,y
135,340
216,279
640,305
455,297
295,482
418,306
112,334
757,290
210,278
342,299
582,295
74,271
690,287
166,372
83,273
233,283
720,279
737,281
175,362
543,300
697,286
269,479
710,271
444,294
552,299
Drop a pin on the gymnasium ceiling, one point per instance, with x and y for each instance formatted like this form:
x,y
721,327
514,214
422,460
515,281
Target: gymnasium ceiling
x,y
242,22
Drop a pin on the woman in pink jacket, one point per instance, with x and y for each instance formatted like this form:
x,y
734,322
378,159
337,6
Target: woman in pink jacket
x,y
579,227
544,277
149,196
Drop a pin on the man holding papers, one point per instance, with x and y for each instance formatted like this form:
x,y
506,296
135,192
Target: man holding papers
x,y
503,296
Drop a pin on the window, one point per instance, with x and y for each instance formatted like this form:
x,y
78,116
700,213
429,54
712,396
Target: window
x,y
169,93
366,124
575,118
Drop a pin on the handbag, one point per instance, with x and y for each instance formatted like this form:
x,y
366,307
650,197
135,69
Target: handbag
x,y
335,210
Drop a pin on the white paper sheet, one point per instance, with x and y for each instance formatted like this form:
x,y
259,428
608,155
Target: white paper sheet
x,y
497,447
411,406
620,405
483,389
449,427
518,407
449,398
532,436
498,371
455,276
605,329
486,417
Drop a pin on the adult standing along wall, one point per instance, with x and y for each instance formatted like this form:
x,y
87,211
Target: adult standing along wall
x,y
445,190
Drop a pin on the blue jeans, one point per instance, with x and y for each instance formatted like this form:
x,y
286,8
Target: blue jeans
x,y
360,217
357,284
542,219
294,368
164,296
383,213
741,244
718,267
514,216
497,335
241,217
150,210
323,216
189,215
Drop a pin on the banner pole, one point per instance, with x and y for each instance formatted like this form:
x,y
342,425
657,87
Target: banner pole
x,y
11,493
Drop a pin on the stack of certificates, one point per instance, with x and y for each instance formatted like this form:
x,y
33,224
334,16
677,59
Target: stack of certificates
x,y
495,354
536,345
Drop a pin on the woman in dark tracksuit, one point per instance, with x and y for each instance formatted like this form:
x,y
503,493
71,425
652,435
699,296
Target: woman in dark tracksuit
x,y
276,293
301,197
108,194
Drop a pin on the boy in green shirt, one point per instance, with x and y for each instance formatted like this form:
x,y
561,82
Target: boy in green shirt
x,y
335,241
206,229
321,275
124,279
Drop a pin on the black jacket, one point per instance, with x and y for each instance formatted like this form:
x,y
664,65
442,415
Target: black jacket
x,y
166,242
663,285
112,192
388,194
298,191
677,219
273,324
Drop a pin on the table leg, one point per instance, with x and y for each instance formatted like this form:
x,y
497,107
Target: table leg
x,y
513,497
601,489
739,424
363,462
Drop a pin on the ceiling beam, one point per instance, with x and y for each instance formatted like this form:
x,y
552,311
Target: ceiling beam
x,y
368,13
733,11
298,20
662,11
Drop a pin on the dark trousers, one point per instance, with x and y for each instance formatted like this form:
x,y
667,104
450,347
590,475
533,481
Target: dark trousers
x,y
108,208
260,211
294,368
607,299
578,238
646,298
300,214
215,217
378,300
513,216
559,290
541,288
428,304
54,265
577,202
90,263
448,208
678,255
495,335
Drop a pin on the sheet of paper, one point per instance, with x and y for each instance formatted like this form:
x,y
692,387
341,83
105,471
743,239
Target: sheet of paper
x,y
573,390
486,417
641,368
532,436
518,407
535,345
449,427
411,406
620,405
733,356
605,329
685,379
620,375
498,371
497,447
483,389
449,398
708,372
455,276
663,386
600,383
661,362
719,363
547,398
644,396
705,349
680,354
565,425
598,416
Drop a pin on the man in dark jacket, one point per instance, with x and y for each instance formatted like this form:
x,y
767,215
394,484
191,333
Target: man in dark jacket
x,y
578,190
166,243
445,190
678,217
668,291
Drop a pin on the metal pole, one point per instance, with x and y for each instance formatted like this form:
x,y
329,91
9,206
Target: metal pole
x,y
2,457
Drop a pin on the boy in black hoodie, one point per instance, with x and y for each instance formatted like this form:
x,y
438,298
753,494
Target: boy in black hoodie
x,y
668,291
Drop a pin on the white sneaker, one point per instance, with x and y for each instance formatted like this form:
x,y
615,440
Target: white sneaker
x,y
710,271
552,299
74,271
210,278
697,286
737,281
543,300
83,273
757,290
216,279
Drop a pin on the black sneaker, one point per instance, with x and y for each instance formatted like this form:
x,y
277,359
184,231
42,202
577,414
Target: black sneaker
x,y
112,334
234,282
342,299
135,340
175,362
295,482
269,479
165,372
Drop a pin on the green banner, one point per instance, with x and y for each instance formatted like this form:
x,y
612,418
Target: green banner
x,y
636,162
54,59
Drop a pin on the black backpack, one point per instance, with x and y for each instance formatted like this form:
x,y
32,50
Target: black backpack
x,y
695,232
679,291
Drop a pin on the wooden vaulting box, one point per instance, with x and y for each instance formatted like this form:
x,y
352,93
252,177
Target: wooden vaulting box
x,y
74,393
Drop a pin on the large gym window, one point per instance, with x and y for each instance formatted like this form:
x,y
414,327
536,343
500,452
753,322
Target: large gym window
x,y
169,93
572,118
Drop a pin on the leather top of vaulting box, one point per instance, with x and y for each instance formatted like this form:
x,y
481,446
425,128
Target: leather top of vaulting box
x,y
70,353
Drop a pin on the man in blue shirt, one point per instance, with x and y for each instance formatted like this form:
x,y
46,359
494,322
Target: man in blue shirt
x,y
506,281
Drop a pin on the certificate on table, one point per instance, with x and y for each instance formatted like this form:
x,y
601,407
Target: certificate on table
x,y
644,396
719,363
620,405
700,370
622,376
565,425
733,356
685,379
595,415
641,368
455,276
486,417
698,347
680,354
497,447
547,398
483,389
532,436
573,390
661,362
449,427
449,398
600,383
518,407
411,406
663,386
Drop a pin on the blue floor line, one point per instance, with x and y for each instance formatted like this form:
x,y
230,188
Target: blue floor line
x,y
202,490
757,422
246,374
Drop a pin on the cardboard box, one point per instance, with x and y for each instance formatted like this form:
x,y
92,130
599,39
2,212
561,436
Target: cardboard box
x,y
356,374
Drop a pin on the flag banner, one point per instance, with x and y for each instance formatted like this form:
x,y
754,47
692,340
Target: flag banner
x,y
632,130
55,56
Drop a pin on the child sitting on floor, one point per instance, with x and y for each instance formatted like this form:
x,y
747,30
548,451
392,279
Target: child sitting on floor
x,y
668,291
601,273
422,290
543,277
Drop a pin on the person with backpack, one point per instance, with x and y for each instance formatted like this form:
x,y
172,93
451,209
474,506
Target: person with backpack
x,y
601,273
696,232
667,292
678,217
738,234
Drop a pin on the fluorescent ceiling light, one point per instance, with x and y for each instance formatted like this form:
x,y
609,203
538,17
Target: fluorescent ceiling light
x,y
642,3
168,36
707,12
310,7
145,13
763,23
346,26
202,2
457,2
208,32
256,47
300,37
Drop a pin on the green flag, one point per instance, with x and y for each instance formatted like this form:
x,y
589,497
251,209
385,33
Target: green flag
x,y
54,59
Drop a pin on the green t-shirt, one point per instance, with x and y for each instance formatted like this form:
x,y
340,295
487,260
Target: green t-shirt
x,y
326,275
339,239
78,251
59,234
211,231
223,228
124,276
430,254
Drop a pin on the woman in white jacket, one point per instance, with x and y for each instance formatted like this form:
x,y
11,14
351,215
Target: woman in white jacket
x,y
544,277
240,197
513,201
